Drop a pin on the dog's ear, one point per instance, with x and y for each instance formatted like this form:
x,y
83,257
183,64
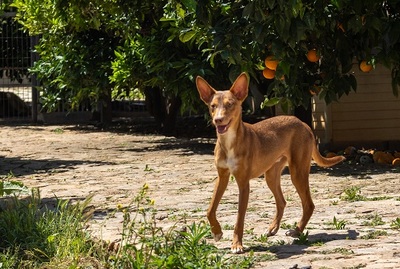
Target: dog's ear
x,y
240,87
205,90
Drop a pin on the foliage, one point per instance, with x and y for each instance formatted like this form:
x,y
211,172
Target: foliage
x,y
339,224
374,234
36,235
352,194
90,47
395,224
344,33
8,187
33,234
302,239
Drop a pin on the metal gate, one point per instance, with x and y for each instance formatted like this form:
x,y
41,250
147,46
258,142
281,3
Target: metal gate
x,y
18,98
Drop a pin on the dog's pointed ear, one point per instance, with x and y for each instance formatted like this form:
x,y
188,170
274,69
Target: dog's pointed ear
x,y
240,87
205,90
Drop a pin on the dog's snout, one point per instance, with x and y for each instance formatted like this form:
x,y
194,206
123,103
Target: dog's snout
x,y
218,120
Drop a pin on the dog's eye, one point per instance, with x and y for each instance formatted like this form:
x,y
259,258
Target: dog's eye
x,y
228,105
213,107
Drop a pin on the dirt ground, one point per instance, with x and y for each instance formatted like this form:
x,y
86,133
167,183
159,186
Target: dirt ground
x,y
76,162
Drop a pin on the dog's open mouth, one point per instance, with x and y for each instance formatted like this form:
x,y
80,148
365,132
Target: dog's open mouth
x,y
221,129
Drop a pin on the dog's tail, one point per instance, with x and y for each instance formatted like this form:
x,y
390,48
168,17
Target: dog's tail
x,y
323,161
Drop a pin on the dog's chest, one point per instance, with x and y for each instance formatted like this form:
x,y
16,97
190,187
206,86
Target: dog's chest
x,y
229,160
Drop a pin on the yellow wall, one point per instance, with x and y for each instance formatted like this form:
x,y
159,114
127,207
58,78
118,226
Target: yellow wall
x,y
370,114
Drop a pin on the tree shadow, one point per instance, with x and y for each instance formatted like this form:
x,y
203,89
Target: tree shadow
x,y
351,170
20,167
182,146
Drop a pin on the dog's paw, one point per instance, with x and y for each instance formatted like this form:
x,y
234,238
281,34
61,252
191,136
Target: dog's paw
x,y
237,249
293,233
217,237
272,232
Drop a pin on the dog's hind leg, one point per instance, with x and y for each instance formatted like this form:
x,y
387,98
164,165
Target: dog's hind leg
x,y
219,189
273,179
300,179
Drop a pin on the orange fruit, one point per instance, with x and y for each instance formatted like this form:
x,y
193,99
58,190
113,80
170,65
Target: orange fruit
x,y
268,73
365,67
312,55
271,62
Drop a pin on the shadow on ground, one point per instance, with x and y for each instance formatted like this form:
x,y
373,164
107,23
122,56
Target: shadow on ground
x,y
21,167
288,250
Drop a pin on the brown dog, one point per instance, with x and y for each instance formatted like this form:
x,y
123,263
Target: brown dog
x,y
247,151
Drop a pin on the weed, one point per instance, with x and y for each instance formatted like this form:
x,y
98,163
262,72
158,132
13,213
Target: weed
x,y
339,224
263,238
340,250
335,202
379,198
280,242
395,224
287,226
265,257
249,231
32,234
302,239
58,131
374,234
373,220
352,194
317,243
263,215
8,186
35,236
227,226
147,168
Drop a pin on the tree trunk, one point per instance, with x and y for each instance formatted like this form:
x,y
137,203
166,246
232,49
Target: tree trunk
x,y
164,110
106,108
304,114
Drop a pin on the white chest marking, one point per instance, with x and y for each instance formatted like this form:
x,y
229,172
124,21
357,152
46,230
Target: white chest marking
x,y
231,161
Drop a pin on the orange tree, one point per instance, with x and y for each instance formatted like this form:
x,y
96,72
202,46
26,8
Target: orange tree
x,y
91,48
343,33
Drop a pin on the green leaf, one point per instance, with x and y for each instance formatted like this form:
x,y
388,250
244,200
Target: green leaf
x,y
10,187
190,5
353,82
248,10
271,3
268,102
186,37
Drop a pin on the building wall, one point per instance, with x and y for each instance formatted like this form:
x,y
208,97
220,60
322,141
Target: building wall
x,y
372,114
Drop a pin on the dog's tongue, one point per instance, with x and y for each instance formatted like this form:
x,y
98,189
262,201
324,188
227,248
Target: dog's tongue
x,y
222,128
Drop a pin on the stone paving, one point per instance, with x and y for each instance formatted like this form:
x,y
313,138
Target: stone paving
x,y
75,163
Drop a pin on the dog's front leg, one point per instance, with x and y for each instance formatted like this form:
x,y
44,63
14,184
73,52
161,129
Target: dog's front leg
x,y
219,189
244,190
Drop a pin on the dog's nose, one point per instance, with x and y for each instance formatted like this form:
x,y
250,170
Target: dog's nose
x,y
218,120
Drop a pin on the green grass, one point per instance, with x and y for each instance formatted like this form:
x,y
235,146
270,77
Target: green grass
x,y
338,224
37,236
395,224
352,194
33,235
373,220
374,234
